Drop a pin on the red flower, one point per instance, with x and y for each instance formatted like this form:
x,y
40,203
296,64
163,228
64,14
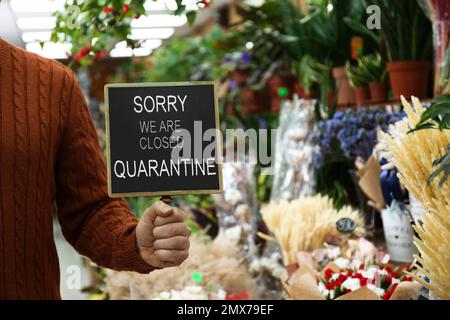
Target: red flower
x,y
388,280
86,50
342,277
361,267
387,295
328,273
388,268
101,54
350,272
82,53
137,16
125,8
395,275
78,57
205,3
334,284
405,278
348,290
108,9
358,276
363,282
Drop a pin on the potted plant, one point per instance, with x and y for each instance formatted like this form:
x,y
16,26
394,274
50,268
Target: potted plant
x,y
359,79
308,74
334,36
375,68
407,34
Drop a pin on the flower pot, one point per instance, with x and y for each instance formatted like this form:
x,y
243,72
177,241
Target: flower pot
x,y
398,233
409,78
378,92
345,93
361,95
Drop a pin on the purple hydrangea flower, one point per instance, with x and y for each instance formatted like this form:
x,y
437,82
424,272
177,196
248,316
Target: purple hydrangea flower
x,y
351,133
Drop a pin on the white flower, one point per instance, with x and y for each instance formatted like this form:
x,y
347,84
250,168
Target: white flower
x,y
321,286
332,293
335,276
370,273
342,263
351,283
356,263
383,272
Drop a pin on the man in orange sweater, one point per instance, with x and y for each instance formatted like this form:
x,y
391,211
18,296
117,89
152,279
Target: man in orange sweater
x,y
50,160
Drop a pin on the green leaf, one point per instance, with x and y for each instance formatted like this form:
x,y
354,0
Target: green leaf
x,y
191,15
361,28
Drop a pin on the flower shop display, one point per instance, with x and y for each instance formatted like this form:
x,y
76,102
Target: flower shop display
x,y
352,283
413,154
306,223
297,66
408,44
409,47
293,164
346,136
355,271
214,269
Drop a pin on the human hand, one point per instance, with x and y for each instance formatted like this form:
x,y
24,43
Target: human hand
x,y
162,236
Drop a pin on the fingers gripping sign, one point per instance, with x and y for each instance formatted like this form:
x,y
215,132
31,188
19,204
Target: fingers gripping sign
x,y
162,236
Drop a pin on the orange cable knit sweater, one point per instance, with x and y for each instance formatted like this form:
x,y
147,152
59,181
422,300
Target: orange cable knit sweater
x,y
50,158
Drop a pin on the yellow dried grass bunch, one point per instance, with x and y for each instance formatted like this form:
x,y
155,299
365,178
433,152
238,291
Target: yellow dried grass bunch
x,y
305,223
413,155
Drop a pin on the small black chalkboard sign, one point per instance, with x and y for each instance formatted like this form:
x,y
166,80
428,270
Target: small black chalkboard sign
x,y
162,139
345,225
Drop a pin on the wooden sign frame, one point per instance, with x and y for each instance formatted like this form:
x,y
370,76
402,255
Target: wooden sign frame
x,y
163,193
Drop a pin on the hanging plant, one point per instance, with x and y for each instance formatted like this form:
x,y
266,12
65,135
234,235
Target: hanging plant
x,y
93,27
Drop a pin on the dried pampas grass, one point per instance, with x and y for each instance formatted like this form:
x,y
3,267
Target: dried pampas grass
x,y
413,154
217,261
304,224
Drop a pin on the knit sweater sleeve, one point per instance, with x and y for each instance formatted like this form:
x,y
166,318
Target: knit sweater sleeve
x,y
96,225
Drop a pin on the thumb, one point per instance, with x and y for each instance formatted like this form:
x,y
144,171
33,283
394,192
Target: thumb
x,y
158,209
